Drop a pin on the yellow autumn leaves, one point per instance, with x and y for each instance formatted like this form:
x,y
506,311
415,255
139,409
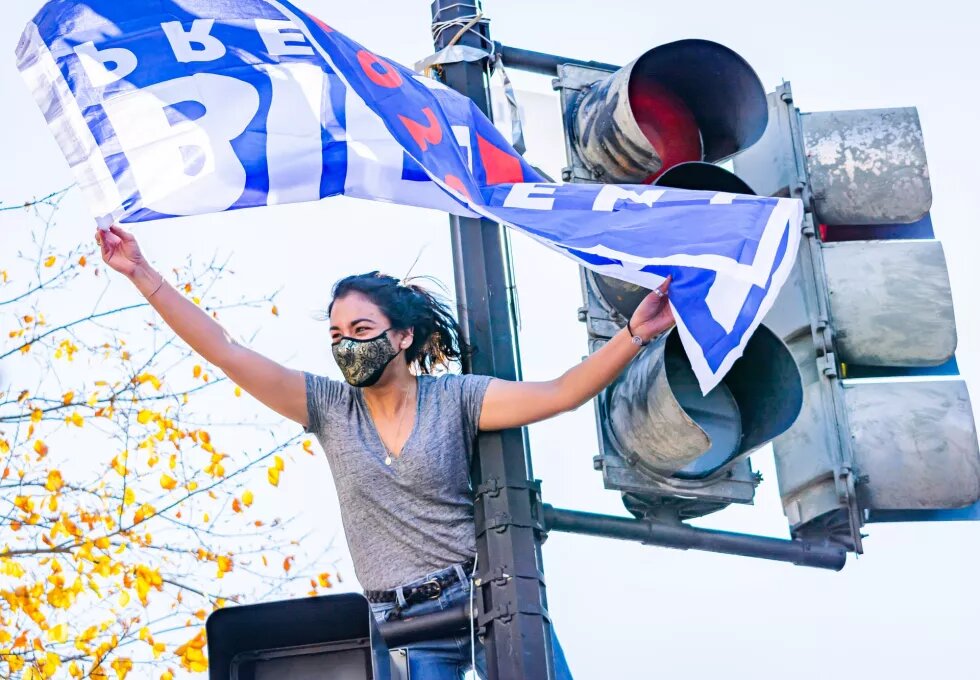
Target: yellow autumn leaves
x,y
225,564
148,378
124,512
273,472
54,481
191,654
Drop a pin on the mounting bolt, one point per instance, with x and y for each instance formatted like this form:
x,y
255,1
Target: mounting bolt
x,y
583,314
556,83
597,463
566,175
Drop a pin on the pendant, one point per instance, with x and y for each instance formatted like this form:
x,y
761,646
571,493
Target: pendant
x,y
388,460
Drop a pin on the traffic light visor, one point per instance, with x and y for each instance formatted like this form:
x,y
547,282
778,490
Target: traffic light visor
x,y
690,100
702,83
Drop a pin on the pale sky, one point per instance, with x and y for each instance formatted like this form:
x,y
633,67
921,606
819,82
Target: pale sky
x,y
906,609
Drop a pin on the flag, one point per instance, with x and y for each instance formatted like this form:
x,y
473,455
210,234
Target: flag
x,y
166,108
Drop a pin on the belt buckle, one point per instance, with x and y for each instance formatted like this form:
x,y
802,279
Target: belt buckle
x,y
434,583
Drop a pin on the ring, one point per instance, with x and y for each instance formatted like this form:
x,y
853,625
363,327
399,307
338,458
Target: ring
x,y
659,293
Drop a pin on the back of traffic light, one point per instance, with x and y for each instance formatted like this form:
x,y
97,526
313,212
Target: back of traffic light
x,y
332,636
664,119
887,430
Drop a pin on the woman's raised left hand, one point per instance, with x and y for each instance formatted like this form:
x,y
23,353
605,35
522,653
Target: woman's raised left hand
x,y
653,316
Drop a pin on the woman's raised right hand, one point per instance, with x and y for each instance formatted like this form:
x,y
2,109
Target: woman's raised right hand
x,y
120,250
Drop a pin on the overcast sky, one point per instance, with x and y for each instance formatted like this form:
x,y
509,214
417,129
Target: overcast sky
x,y
907,609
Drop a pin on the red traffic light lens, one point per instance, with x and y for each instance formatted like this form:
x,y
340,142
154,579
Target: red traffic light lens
x,y
667,123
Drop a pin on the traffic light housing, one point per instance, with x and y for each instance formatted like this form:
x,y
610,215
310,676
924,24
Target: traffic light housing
x,y
868,300
333,636
887,430
665,119
689,100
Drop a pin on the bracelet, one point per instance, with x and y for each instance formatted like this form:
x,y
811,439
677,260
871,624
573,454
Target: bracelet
x,y
162,281
637,340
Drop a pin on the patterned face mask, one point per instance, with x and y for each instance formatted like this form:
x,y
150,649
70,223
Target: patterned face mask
x,y
363,361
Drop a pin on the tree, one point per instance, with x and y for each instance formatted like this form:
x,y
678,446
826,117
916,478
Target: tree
x,y
125,518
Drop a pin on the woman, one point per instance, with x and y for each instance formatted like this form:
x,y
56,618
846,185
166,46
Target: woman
x,y
398,440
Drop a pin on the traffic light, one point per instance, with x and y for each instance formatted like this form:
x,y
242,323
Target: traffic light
x,y
665,119
316,637
690,100
887,431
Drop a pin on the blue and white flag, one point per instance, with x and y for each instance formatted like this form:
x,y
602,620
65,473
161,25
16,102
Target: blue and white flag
x,y
181,107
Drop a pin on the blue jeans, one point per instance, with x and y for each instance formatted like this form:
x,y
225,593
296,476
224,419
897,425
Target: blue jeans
x,y
450,658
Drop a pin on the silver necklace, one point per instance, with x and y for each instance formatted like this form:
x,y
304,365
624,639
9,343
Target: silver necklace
x,y
398,433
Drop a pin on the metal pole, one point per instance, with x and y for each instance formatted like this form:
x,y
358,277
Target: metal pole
x,y
429,627
512,604
684,537
542,63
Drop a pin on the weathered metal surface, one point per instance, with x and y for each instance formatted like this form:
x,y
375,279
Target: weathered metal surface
x,y
647,421
915,444
609,139
541,62
765,383
686,498
735,117
867,166
806,455
683,537
571,82
658,417
768,165
861,448
698,175
651,492
623,297
719,88
788,316
890,302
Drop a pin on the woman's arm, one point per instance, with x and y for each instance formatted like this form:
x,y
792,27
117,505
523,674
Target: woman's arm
x,y
280,388
515,404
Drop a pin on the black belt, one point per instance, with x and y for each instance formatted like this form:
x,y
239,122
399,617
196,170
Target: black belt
x,y
428,590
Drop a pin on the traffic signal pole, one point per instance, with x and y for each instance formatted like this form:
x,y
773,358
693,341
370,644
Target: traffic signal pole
x,y
821,555
512,604
543,63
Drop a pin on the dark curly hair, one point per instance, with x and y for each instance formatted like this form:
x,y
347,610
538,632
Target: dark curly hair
x,y
407,305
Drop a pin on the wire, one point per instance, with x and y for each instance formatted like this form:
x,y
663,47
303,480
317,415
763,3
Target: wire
x,y
468,23
463,24
473,621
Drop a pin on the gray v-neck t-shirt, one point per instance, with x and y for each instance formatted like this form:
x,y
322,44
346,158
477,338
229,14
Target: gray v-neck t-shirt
x,y
415,516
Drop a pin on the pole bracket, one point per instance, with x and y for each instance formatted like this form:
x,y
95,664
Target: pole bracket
x,y
492,487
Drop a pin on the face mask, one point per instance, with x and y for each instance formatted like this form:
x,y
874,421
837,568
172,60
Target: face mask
x,y
363,361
